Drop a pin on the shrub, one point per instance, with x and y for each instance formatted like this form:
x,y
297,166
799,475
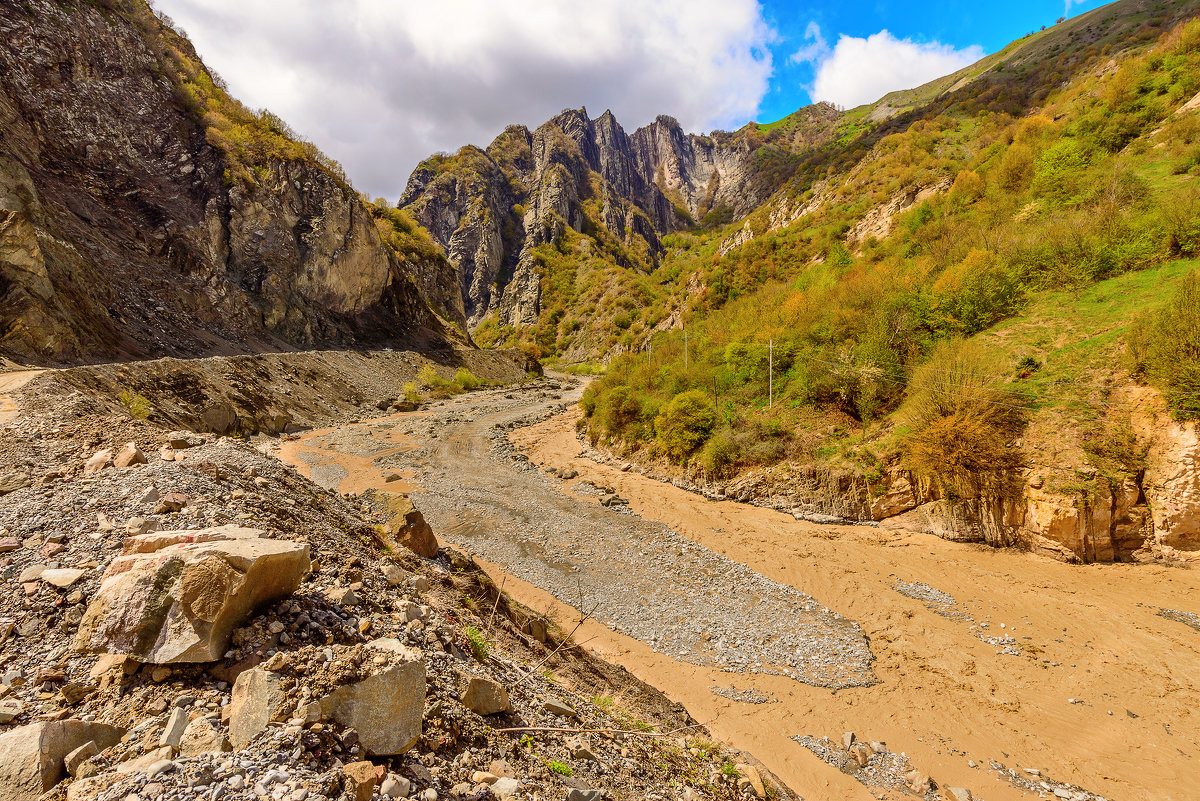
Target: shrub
x,y
477,644
561,768
138,405
1166,346
428,377
959,421
411,395
466,380
719,453
685,423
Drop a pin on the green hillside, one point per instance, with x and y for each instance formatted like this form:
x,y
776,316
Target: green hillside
x,y
1011,229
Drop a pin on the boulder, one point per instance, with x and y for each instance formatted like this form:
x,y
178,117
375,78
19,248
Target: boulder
x,y
100,460
386,709
13,481
408,526
32,757
176,724
129,455
202,737
257,700
483,696
177,596
62,577
751,775
74,760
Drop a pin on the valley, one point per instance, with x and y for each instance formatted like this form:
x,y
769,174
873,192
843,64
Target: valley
x,y
978,657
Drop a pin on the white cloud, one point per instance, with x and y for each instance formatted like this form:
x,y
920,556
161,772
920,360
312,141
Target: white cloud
x,y
856,71
380,84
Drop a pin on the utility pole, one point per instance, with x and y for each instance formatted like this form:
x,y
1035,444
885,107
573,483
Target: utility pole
x,y
685,359
771,374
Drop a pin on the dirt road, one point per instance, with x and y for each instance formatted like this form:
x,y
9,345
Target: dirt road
x,y
9,383
977,658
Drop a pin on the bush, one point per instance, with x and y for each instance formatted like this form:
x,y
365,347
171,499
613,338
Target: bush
x,y
959,421
411,395
466,380
718,454
1166,347
428,377
685,423
138,405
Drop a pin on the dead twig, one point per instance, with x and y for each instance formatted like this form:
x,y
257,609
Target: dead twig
x,y
496,605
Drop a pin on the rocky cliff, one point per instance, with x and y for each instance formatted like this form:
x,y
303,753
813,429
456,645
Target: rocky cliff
x,y
490,210
144,212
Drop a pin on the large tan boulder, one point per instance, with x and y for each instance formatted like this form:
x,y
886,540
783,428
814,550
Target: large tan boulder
x,y
408,527
31,757
386,709
176,596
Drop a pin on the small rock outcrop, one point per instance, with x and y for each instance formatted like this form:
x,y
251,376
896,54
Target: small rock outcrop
x,y
176,596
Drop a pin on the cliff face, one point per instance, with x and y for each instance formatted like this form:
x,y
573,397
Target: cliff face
x,y
490,209
128,230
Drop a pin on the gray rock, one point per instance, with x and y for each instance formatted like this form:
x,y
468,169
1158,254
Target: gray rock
x,y
32,757
257,700
484,696
176,724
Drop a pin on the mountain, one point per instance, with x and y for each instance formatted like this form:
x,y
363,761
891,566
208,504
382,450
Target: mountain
x,y
144,212
496,212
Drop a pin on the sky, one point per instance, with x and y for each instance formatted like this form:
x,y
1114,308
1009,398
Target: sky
x,y
381,84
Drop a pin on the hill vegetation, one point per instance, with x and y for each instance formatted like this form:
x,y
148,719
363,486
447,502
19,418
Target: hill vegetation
x,y
866,330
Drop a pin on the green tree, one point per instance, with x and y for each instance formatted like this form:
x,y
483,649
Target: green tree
x,y
685,423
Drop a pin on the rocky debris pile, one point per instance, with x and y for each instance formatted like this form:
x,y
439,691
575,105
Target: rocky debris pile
x,y
1032,780
750,696
1186,618
944,604
343,670
874,766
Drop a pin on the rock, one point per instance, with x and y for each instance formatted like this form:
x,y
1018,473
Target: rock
x,y
389,478
555,708
483,696
579,749
129,455
202,737
166,453
9,544
408,526
393,574
256,701
960,794
386,709
74,760
505,787
62,577
88,789
585,795
32,757
171,502
751,774
395,786
177,596
501,768
13,481
537,629
140,525
173,733
360,780
343,596
10,710
99,460
847,740
861,753
182,440
483,777
917,782
900,497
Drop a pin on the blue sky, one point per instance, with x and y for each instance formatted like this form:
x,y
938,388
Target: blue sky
x,y
959,24
381,84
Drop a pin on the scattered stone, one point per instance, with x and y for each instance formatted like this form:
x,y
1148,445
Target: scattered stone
x,y
202,737
751,775
99,460
360,780
13,481
176,724
960,794
555,708
129,455
171,502
484,696
74,760
505,788
62,577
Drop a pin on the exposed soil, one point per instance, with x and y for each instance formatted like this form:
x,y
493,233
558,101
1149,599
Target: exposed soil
x,y
983,657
